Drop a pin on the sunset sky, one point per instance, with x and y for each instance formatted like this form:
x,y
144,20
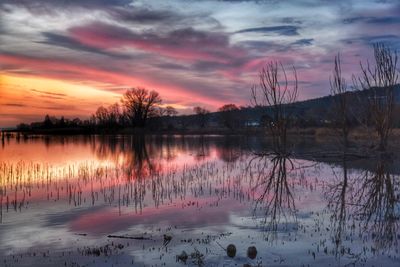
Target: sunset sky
x,y
64,57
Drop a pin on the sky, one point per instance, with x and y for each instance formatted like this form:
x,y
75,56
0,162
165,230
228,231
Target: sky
x,y
65,57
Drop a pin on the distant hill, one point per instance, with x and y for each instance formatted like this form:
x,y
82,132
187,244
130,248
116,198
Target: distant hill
x,y
323,108
326,102
313,112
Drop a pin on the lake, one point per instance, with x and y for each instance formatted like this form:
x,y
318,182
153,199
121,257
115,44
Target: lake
x,y
142,201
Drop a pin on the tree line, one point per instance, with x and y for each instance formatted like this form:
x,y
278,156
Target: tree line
x,y
137,108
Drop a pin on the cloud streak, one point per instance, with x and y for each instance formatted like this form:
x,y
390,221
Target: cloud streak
x,y
284,30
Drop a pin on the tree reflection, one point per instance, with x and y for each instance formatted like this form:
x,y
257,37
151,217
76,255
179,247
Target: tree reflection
x,y
368,202
338,202
273,191
377,204
229,151
127,150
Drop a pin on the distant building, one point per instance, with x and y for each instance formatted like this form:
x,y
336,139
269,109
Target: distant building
x,y
252,123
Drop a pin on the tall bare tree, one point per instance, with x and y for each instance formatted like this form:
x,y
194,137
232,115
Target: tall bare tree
x,y
378,83
276,93
341,111
140,104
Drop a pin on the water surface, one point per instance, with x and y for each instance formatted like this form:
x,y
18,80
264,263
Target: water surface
x,y
135,201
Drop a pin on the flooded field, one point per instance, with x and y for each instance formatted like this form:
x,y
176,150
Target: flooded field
x,y
180,201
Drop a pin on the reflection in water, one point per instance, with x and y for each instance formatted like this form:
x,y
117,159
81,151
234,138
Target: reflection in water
x,y
338,203
273,188
376,204
116,185
125,171
367,202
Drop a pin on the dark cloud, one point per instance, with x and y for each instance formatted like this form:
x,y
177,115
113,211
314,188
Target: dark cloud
x,y
144,15
70,43
58,106
291,20
391,40
303,42
269,46
254,1
55,7
59,95
285,30
372,20
45,4
14,105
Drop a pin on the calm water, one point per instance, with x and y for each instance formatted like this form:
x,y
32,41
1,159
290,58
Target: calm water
x,y
131,201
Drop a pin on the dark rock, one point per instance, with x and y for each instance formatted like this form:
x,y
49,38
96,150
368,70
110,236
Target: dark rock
x,y
252,252
231,250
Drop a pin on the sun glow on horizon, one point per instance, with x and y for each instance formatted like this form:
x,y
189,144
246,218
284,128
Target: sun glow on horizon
x,y
34,97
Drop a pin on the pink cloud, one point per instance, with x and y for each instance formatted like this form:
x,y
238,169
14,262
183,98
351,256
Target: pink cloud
x,y
186,44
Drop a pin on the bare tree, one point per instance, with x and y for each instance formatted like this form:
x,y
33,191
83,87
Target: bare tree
x,y
378,83
140,104
114,114
202,115
341,108
275,93
101,116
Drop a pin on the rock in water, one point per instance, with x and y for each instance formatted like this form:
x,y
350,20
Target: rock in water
x,y
252,252
231,250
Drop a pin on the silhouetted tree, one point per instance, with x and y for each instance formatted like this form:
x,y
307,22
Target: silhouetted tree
x,y
76,122
228,115
62,122
101,116
341,105
140,104
202,115
113,115
47,123
274,92
378,83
